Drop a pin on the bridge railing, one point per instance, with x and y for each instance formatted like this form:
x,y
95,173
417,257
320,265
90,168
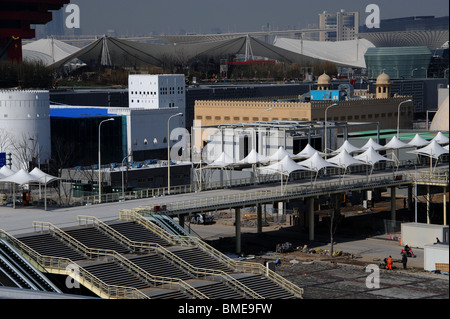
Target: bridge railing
x,y
65,266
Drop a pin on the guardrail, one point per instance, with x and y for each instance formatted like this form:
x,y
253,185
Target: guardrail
x,y
154,247
94,253
281,193
62,266
238,266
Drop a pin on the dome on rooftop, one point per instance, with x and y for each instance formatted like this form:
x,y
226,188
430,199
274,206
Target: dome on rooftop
x,y
324,79
383,78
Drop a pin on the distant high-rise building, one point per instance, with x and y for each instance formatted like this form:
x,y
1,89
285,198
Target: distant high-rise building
x,y
343,26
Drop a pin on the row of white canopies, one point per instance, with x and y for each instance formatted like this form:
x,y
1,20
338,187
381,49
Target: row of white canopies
x,y
22,177
312,160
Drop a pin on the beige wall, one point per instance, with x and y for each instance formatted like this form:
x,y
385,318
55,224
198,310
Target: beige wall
x,y
384,111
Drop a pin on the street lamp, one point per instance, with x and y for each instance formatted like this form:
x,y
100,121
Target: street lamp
x,y
168,150
121,168
100,161
398,116
325,129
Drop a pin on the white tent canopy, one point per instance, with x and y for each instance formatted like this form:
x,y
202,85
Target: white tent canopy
x,y
344,160
5,172
372,144
316,163
44,178
433,149
222,161
279,155
22,177
308,152
395,144
418,141
286,166
371,157
347,146
47,51
440,138
349,53
254,158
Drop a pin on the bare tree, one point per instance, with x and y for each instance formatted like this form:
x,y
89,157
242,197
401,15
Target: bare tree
x,y
26,149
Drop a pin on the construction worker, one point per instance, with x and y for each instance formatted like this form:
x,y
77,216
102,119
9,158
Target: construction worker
x,y
389,263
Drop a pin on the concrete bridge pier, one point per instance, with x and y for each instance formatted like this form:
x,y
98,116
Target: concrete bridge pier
x,y
259,218
444,204
311,217
393,203
238,230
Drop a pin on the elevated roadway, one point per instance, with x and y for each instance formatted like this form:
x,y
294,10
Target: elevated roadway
x,y
18,221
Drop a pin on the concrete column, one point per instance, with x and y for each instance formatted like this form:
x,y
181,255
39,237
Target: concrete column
x,y
393,203
311,217
410,198
444,204
238,230
428,204
181,220
259,218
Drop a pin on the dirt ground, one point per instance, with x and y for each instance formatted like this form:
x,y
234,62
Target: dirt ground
x,y
310,266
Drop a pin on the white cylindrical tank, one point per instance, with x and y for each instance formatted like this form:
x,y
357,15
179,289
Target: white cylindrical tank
x,y
25,126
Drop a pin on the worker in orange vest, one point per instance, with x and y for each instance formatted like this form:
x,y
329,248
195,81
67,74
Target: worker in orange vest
x,y
389,263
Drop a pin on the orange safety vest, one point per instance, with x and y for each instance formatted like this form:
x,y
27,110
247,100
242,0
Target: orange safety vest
x,y
389,260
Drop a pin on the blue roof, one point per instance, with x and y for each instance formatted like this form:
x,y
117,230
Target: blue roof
x,y
78,112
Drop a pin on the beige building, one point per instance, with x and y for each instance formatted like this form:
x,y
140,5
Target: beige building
x,y
379,107
343,26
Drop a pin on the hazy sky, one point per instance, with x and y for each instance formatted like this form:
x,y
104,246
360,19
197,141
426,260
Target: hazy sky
x,y
135,17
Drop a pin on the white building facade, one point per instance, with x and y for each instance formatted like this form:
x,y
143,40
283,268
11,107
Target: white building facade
x,y
153,100
25,126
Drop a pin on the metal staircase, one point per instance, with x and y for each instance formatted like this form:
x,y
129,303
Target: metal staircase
x,y
134,258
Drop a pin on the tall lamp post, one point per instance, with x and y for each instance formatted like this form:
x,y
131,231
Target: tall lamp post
x,y
100,160
168,150
325,129
398,116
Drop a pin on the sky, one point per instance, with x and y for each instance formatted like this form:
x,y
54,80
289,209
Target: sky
x,y
144,17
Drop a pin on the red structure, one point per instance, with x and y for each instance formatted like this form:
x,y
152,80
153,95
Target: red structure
x,y
16,18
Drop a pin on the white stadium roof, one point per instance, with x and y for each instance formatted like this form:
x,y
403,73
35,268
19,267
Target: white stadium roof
x,y
47,51
349,53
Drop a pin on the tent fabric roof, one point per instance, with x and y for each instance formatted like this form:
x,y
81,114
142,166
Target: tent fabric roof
x,y
286,166
5,172
307,152
371,143
131,53
418,141
433,149
22,177
44,178
279,155
441,138
371,157
254,158
395,144
344,53
47,51
222,161
347,146
316,163
344,159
